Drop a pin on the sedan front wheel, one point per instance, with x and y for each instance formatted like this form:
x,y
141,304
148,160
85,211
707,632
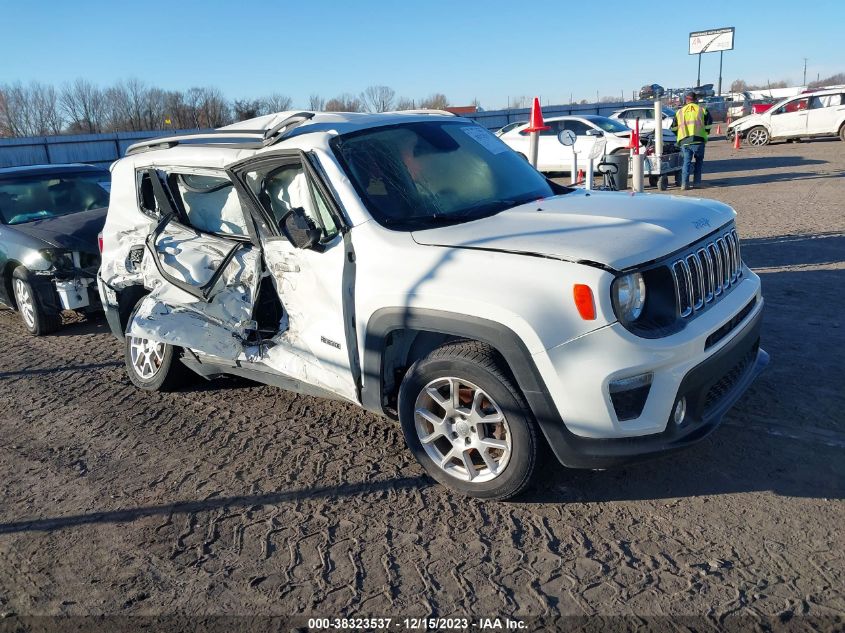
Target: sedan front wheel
x,y
757,136
37,320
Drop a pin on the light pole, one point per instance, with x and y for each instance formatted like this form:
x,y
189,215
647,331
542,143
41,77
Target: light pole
x,y
805,71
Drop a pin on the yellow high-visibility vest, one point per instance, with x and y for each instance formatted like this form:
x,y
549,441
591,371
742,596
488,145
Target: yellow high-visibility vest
x,y
690,120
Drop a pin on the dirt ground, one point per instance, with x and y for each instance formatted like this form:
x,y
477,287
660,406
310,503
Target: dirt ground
x,y
232,498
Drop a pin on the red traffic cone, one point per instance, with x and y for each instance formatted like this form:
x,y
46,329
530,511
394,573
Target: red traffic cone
x,y
736,139
536,124
580,178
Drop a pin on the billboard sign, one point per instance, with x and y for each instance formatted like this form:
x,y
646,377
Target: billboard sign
x,y
711,41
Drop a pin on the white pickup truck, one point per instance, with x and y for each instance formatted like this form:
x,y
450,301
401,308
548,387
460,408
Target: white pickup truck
x,y
414,265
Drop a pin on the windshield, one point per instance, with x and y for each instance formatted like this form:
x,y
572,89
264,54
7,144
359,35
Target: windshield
x,y
609,125
31,198
414,175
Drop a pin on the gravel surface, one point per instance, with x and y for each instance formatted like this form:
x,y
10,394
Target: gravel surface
x,y
233,498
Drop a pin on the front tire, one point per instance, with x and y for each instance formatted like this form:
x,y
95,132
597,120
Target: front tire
x,y
757,136
466,422
842,132
36,319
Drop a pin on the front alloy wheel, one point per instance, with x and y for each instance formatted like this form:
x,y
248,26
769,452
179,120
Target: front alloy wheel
x,y
26,305
37,319
467,423
462,429
757,136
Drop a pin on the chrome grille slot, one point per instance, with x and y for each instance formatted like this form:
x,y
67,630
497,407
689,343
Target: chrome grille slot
x,y
704,275
717,268
683,290
696,281
709,277
726,262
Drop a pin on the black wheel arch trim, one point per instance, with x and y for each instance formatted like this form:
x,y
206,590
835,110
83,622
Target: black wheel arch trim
x,y
501,338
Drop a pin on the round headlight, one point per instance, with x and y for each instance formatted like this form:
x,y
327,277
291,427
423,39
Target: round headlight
x,y
629,296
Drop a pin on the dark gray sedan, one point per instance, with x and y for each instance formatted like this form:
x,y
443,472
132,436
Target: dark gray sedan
x,y
50,217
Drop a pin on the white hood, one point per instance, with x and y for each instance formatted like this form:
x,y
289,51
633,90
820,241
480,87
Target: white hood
x,y
616,229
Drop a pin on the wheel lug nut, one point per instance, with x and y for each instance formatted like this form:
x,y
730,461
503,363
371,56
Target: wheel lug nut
x,y
472,428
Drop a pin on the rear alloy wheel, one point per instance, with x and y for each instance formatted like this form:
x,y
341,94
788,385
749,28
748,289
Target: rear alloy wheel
x,y
467,424
152,365
757,136
35,318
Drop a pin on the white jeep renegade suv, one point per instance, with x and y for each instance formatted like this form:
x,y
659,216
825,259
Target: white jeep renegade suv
x,y
411,263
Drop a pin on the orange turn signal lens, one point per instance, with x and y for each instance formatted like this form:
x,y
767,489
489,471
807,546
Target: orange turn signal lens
x,y
584,302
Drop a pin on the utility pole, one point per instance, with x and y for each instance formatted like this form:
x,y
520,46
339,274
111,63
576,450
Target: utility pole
x,y
805,71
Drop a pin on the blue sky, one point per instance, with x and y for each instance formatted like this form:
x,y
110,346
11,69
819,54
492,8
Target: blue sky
x,y
486,50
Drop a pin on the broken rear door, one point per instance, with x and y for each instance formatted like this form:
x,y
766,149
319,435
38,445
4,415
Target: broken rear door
x,y
315,285
202,265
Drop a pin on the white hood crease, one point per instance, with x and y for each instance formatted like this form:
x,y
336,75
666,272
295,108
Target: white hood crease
x,y
590,227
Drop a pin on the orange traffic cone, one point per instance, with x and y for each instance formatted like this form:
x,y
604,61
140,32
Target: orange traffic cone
x,y
536,124
718,128
736,139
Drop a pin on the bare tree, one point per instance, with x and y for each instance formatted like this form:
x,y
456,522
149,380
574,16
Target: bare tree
x,y
30,110
84,106
316,103
344,103
437,101
378,98
244,109
275,103
833,80
406,104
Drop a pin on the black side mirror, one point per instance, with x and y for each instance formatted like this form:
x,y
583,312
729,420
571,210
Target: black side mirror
x,y
594,132
299,229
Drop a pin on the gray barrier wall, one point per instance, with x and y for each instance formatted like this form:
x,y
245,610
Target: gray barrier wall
x,y
103,149
95,149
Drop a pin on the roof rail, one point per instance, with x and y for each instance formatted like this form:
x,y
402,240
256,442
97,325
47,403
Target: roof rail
x,y
425,111
257,139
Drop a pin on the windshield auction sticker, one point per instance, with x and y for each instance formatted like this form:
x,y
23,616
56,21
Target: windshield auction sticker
x,y
485,139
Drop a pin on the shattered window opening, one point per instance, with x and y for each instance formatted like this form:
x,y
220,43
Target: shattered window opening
x,y
281,188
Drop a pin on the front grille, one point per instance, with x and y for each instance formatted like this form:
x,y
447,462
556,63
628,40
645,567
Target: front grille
x,y
727,382
704,275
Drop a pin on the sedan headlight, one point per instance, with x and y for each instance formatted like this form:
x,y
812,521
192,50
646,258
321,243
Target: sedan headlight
x,y
628,295
57,258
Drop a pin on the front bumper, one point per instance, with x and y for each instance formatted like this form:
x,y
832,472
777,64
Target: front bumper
x,y
65,292
578,416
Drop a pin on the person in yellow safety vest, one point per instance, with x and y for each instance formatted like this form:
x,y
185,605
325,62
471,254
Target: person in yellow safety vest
x,y
692,126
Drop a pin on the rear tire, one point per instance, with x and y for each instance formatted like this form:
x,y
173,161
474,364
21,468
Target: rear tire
x,y
467,423
153,366
842,132
36,319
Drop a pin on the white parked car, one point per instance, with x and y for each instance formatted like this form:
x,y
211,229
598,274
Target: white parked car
x,y
509,127
645,114
413,265
808,115
554,157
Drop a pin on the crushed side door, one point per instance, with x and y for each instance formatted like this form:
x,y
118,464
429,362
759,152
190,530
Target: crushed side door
x,y
203,283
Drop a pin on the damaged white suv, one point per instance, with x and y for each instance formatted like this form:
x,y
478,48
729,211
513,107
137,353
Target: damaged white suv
x,y
412,264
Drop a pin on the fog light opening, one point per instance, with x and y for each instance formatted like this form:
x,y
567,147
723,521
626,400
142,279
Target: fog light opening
x,y
680,413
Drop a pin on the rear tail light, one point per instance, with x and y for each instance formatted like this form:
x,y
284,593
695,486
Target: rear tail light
x,y
100,242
